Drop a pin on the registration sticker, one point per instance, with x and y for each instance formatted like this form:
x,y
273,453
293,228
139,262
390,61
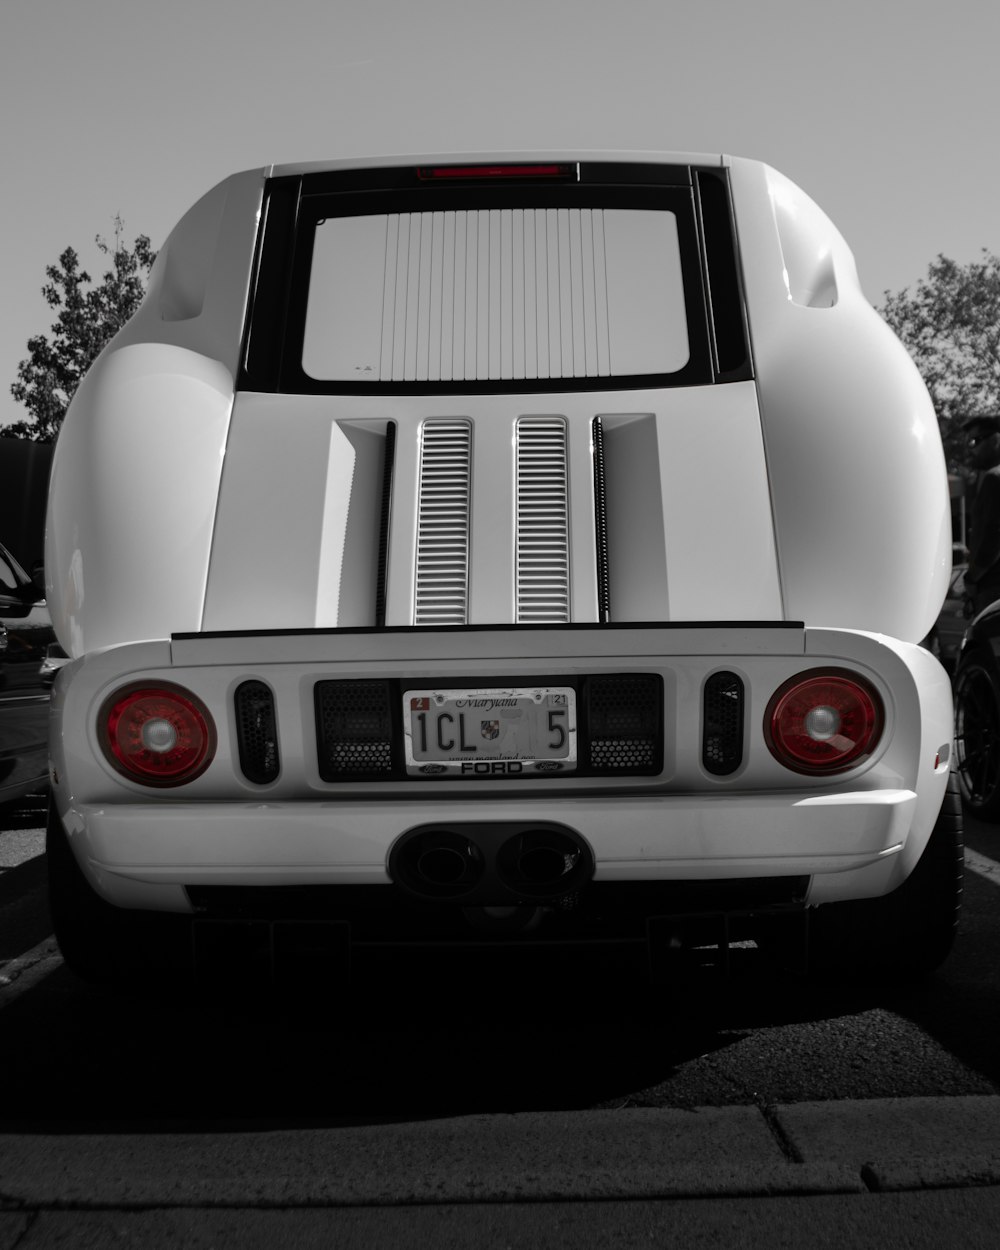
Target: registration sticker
x,y
520,731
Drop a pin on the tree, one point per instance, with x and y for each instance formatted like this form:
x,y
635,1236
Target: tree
x,y
88,317
951,327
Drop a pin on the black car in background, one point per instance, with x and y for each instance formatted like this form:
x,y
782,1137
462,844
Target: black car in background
x,y
977,715
25,637
945,639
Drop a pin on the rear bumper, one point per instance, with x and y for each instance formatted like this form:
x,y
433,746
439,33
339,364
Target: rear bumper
x,y
144,855
854,836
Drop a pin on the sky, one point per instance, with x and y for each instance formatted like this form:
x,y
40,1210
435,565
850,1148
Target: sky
x,y
884,111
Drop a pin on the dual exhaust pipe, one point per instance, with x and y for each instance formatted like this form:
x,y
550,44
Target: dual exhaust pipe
x,y
491,864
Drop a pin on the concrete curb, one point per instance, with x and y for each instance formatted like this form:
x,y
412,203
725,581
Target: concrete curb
x,y
639,1153
902,1143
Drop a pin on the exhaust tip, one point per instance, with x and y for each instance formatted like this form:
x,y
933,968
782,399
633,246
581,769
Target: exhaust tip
x,y
437,863
442,865
493,864
545,863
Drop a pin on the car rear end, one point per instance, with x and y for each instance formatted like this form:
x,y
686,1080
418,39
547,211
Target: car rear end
x,y
482,631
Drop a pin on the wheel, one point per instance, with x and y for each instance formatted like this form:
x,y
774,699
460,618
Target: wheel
x,y
103,944
977,738
907,933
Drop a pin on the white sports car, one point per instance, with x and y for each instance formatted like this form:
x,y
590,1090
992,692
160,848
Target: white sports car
x,y
523,548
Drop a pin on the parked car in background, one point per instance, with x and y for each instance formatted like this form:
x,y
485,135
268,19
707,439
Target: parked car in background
x,y
25,634
977,715
53,660
945,639
441,566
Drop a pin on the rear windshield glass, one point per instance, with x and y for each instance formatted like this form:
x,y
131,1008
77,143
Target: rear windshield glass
x,y
506,293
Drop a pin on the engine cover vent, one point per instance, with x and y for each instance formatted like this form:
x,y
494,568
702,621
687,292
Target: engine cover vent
x,y
542,553
442,572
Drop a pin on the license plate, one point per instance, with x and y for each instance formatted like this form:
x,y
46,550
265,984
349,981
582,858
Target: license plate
x,y
522,731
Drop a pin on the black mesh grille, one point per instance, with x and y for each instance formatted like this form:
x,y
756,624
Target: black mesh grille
x,y
256,732
624,717
722,737
353,730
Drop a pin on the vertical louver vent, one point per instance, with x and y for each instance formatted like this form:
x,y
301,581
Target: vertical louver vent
x,y
542,521
722,736
256,732
442,574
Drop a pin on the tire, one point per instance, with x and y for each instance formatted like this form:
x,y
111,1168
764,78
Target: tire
x,y
102,944
977,738
905,934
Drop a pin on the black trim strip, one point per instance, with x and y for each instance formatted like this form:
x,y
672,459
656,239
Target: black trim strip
x,y
507,627
264,334
601,525
635,174
593,173
723,287
705,282
388,466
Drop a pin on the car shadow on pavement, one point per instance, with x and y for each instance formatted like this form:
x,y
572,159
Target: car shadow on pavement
x,y
89,1059
960,1004
24,913
462,1039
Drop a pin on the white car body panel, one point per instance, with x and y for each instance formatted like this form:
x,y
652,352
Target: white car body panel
x,y
204,532
287,500
151,425
841,402
854,543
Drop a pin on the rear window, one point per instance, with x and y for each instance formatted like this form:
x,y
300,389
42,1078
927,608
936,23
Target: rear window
x,y
376,280
512,293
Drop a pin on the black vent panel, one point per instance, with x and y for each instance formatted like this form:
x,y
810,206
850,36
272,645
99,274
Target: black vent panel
x,y
354,730
256,732
722,719
625,723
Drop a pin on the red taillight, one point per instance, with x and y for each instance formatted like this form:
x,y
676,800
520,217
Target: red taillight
x,y
428,173
160,735
823,721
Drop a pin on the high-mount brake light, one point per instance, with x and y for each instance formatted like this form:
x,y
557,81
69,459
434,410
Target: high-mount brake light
x,y
824,721
157,734
430,173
